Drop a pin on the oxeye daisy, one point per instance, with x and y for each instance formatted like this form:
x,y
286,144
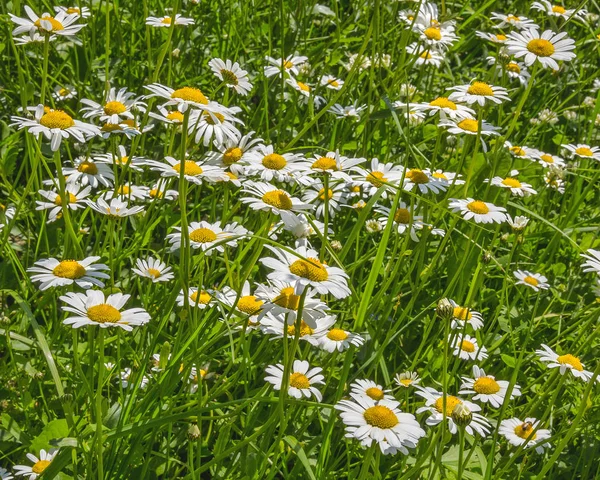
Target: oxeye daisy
x,y
62,24
117,208
83,12
208,237
554,10
462,315
369,388
315,194
301,228
521,151
492,37
423,180
514,70
64,93
382,422
33,37
87,171
244,303
214,123
196,376
183,98
426,55
446,107
466,347
194,172
403,218
5,474
434,403
154,269
159,191
278,326
305,91
92,308
449,178
287,65
269,164
516,187
340,340
333,164
532,280
128,191
77,198
546,48
352,111
407,379
121,158
56,125
511,20
170,117
480,93
582,150
481,212
470,126
486,388
518,223
84,273
547,160
39,464
264,196
231,74
331,82
166,21
306,270
116,108
129,379
129,127
302,379
437,36
525,433
197,298
592,263
371,179
566,362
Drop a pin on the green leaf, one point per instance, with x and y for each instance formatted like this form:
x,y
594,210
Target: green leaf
x,y
295,445
510,361
54,430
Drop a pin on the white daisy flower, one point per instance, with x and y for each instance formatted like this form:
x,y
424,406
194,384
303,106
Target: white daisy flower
x,y
128,191
301,228
512,20
446,107
56,125
340,340
278,326
547,160
272,165
77,199
371,179
233,154
352,111
122,158
170,117
518,432
470,126
481,212
546,48
582,150
117,208
382,422
532,280
289,65
39,464
564,363
302,379
127,380
311,272
5,474
305,91
371,389
244,303
486,388
231,74
514,70
84,273
208,237
424,181
407,379
480,93
264,196
154,269
159,191
404,219
449,178
462,314
92,308
518,223
117,107
492,37
315,194
64,93
83,12
466,348
214,122
331,82
194,172
197,298
516,187
558,10
33,37
61,24
437,36
426,55
162,22
592,263
523,152
130,128
333,164
183,98
86,171
196,376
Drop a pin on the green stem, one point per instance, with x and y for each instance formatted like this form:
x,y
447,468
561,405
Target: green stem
x,y
99,445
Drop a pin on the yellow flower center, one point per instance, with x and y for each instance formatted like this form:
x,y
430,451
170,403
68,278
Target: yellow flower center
x,y
540,47
518,151
88,167
486,385
229,77
511,182
155,193
469,125
479,207
232,155
59,201
39,466
467,346
166,21
417,176
376,178
278,199
571,360
103,313
325,163
439,175
547,158
451,402
584,152
525,431
57,119
512,18
402,215
337,335
175,116
114,108
287,299
558,9
303,86
72,10
380,416
462,313
154,272
213,118
299,380
443,102
501,38
124,190
190,168
433,33
56,25
375,393
287,64
190,94
69,269
249,304
304,329
425,55
64,92
531,280
406,381
311,269
200,297
480,88
322,194
231,176
203,235
274,161
513,67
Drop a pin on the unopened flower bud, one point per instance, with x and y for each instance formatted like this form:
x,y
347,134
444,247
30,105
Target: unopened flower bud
x,y
193,432
336,245
445,309
176,53
462,415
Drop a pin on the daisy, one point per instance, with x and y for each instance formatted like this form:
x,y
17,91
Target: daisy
x,y
130,128
39,464
125,377
92,308
84,273
301,382
522,151
315,194
546,48
466,348
434,403
117,107
5,474
183,98
352,111
516,187
62,24
214,122
532,280
301,228
382,422
404,219
264,196
565,363
583,151
425,55
153,269
306,91
232,154
83,12
162,22
437,36
287,65
592,263
304,270
208,237
512,20
159,191
557,10
446,107
86,171
407,379
449,178
424,180
170,117
278,326
128,191
481,212
486,388
56,125
492,37
369,388
462,315
122,158
196,376
117,208
518,223
62,94
547,160
377,176
267,163
194,172
480,93
514,70
231,74
33,37
518,433
199,298
470,126
332,82
334,164
340,340
243,303
77,199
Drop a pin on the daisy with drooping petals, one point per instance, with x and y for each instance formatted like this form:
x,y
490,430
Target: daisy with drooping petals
x,y
371,179
84,273
516,187
117,208
426,55
481,212
306,270
565,363
117,107
446,107
162,22
39,464
352,111
512,20
558,10
86,171
518,433
264,196
63,93
486,388
279,327
532,280
466,348
183,98
423,180
56,125
154,269
289,65
518,223
369,388
194,172
546,48
214,123
83,12
92,308
404,219
583,151
462,315
407,379
231,74
77,199
382,422
340,340
197,298
62,24
208,237
592,263
480,93
122,158
332,82
302,379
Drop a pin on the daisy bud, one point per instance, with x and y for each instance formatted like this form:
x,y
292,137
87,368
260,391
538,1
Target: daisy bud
x,y
193,432
504,237
175,53
336,245
4,320
373,226
462,415
66,398
486,257
39,375
445,309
